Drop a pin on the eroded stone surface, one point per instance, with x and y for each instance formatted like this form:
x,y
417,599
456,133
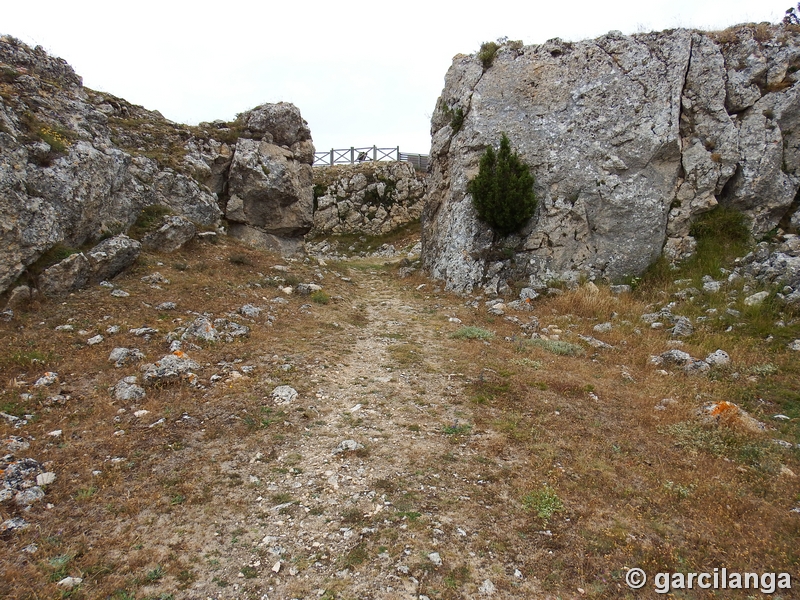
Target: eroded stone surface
x,y
629,138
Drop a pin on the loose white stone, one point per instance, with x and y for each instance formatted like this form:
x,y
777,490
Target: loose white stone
x,y
487,588
756,299
45,478
69,582
284,394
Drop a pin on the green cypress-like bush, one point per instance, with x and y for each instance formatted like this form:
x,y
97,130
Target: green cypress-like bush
x,y
502,192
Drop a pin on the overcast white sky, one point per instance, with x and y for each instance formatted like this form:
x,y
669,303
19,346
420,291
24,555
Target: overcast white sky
x,y
362,73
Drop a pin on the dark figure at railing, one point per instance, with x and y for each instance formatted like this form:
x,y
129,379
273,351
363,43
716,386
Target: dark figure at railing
x,y
362,156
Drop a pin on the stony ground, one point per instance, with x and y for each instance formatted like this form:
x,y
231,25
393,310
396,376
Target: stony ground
x,y
410,464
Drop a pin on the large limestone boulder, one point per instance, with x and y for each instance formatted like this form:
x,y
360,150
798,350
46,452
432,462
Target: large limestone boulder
x,y
68,275
629,138
106,260
172,234
112,256
270,180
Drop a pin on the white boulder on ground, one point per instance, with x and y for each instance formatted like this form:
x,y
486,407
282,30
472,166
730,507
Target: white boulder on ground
x,y
719,358
284,394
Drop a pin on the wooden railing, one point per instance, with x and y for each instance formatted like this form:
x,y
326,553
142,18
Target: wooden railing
x,y
353,155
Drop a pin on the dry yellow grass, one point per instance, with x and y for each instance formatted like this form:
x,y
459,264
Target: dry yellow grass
x,y
458,434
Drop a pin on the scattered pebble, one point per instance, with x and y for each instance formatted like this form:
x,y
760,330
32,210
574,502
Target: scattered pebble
x,y
718,358
45,478
487,588
348,446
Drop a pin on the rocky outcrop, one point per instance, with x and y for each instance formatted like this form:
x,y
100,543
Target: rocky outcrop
x,y
367,198
106,260
172,234
78,165
629,138
775,265
270,200
63,179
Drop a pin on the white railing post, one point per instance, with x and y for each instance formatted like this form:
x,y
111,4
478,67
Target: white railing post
x,y
374,154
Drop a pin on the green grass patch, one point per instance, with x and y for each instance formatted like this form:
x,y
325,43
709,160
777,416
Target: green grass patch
x,y
472,333
249,572
155,574
557,347
320,297
355,556
457,429
54,255
411,515
544,503
241,260
281,498
85,493
722,235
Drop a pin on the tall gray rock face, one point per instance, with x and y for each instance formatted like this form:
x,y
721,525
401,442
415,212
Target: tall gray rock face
x,y
629,138
77,165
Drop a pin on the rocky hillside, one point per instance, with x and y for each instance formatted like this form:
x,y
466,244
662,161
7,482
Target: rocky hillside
x,y
78,165
629,138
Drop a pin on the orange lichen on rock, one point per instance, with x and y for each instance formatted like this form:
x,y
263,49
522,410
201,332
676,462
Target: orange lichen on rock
x,y
724,408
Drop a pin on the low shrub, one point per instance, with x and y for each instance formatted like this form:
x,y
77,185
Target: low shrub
x,y
544,502
472,333
148,218
320,297
557,347
502,192
487,53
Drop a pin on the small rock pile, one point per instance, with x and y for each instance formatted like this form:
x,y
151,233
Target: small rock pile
x,y
688,363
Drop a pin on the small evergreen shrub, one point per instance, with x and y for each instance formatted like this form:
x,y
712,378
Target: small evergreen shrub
x,y
502,192
487,53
